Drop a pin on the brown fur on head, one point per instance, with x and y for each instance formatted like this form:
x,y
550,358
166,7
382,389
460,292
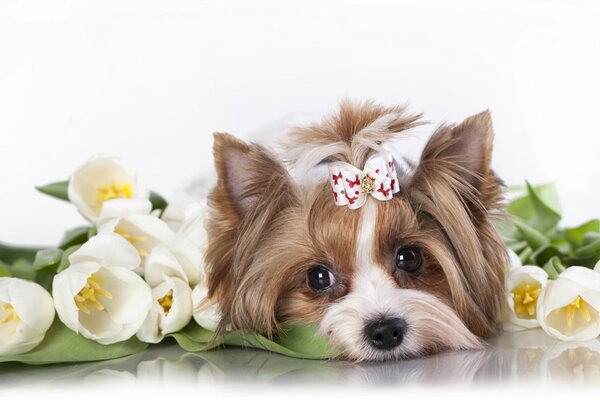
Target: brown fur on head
x,y
267,232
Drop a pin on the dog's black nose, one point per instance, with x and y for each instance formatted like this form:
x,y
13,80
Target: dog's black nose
x,y
385,334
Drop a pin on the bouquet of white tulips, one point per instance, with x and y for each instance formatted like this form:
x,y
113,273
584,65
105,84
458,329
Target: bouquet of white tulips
x,y
553,280
132,277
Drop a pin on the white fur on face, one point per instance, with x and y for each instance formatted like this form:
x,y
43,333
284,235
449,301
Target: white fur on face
x,y
375,296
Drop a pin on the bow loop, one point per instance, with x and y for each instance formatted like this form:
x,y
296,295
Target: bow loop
x,y
351,186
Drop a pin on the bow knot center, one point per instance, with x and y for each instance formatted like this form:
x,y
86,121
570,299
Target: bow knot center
x,y
367,184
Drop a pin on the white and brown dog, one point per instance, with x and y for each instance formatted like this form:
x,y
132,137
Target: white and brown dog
x,y
388,263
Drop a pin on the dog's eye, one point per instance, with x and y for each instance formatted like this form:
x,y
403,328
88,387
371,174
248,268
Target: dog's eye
x,y
409,258
320,278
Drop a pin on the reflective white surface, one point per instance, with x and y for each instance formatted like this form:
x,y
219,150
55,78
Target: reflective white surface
x,y
528,357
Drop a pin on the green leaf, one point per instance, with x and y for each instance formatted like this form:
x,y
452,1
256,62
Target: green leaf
x,y
92,232
590,237
4,271
562,245
56,189
517,246
158,202
22,269
544,217
543,254
506,229
524,255
522,207
74,236
590,250
62,345
10,254
64,261
304,339
45,278
534,238
575,235
296,340
553,267
47,258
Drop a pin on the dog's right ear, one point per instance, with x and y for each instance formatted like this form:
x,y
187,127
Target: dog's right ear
x,y
245,174
253,187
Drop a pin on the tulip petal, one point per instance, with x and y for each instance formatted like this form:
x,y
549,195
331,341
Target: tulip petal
x,y
160,264
120,208
513,260
206,312
65,286
99,326
191,242
143,231
131,296
109,250
180,313
149,332
180,206
33,310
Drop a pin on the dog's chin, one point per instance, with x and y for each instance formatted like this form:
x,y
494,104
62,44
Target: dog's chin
x,y
430,325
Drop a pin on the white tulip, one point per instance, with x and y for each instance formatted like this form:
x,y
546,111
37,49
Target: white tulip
x,y
206,311
191,242
523,286
569,307
180,207
132,221
513,261
98,295
161,263
120,208
100,179
171,310
26,313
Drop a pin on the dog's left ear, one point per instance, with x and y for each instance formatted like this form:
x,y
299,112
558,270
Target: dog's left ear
x,y
455,190
462,156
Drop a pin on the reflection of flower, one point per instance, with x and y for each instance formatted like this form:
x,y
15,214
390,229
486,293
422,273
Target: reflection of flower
x,y
171,310
523,288
164,370
26,313
101,179
99,295
575,362
568,309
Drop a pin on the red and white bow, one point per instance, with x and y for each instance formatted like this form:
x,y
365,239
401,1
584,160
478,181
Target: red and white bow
x,y
351,186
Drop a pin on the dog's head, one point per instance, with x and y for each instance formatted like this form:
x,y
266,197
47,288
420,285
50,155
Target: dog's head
x,y
412,275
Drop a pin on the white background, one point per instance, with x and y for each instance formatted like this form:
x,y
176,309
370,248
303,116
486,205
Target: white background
x,y
150,81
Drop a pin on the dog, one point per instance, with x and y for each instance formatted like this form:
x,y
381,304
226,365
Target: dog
x,y
389,262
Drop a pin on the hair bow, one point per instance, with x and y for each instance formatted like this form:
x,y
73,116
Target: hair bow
x,y
351,186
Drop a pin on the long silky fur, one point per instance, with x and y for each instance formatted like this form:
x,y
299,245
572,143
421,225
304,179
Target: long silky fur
x,y
265,230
